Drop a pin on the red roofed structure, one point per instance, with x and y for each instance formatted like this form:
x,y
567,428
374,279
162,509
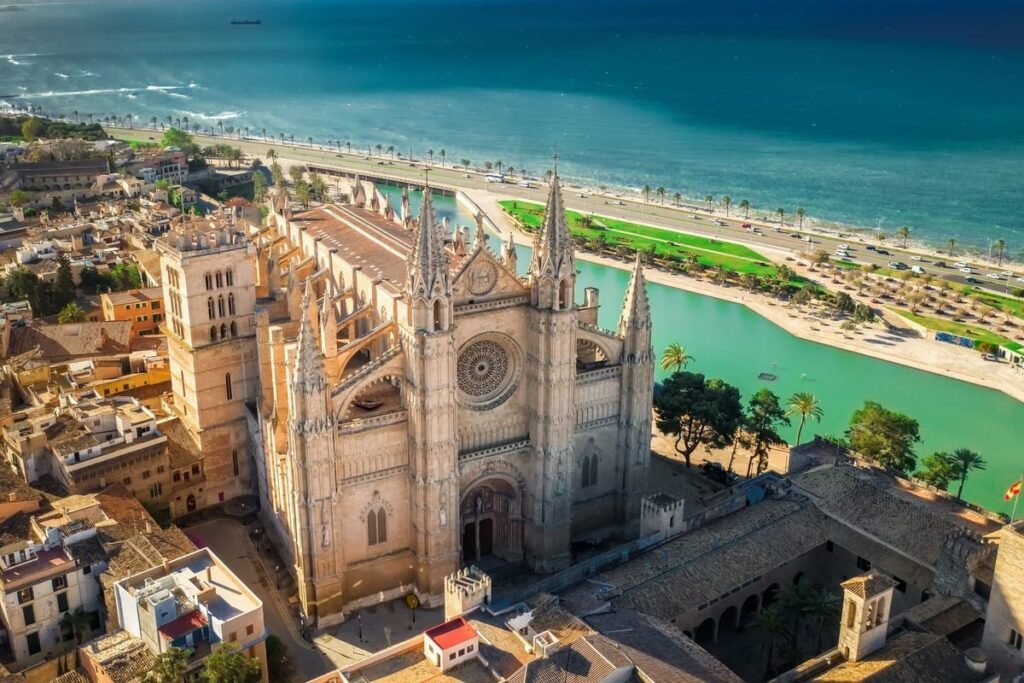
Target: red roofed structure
x,y
183,625
451,643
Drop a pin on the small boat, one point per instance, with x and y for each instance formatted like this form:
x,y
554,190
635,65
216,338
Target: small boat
x,y
246,22
767,376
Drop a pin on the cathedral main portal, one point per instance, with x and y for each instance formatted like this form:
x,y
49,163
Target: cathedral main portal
x,y
491,519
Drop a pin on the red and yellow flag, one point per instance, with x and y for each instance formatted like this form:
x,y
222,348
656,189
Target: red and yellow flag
x,y
1014,490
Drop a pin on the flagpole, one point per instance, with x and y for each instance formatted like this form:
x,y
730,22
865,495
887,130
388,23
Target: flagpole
x,y
1016,498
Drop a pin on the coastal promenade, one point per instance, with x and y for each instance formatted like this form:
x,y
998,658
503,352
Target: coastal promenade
x,y
901,346
691,218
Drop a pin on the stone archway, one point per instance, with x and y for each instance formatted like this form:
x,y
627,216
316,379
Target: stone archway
x,y
490,517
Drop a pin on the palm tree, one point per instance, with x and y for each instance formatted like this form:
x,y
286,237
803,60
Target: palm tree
x,y
391,151
661,194
772,624
379,147
430,153
75,112
443,154
676,198
782,214
800,213
220,125
71,313
952,243
310,140
745,205
820,609
152,121
1001,246
264,131
291,138
271,154
726,202
675,356
963,461
466,164
904,232
804,404
647,193
710,200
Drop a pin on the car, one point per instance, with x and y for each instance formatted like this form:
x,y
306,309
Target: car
x,y
796,235
776,229
991,357
718,222
898,265
940,264
916,258
882,252
918,270
994,276
1020,279
871,247
972,281
1007,273
715,472
746,225
807,239
844,247
960,264
967,270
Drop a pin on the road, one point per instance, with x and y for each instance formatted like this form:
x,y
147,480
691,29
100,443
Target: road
x,y
785,240
230,541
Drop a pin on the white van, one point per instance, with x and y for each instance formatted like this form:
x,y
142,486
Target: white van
x,y
917,269
494,178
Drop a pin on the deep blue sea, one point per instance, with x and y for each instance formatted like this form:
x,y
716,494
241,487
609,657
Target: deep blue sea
x,y
906,112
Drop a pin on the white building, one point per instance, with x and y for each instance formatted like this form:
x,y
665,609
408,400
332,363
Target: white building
x,y
52,572
194,603
451,644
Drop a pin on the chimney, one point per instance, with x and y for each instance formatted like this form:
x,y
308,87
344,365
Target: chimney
x,y
976,660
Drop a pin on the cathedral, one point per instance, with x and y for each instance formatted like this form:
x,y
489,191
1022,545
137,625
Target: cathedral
x,y
414,404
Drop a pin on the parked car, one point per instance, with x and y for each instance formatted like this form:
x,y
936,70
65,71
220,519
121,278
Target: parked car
x,y
882,252
898,265
715,472
972,280
960,264
916,258
989,357
917,269
967,270
747,226
871,247
940,264
994,276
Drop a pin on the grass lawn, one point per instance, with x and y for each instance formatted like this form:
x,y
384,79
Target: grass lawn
x,y
971,331
998,301
614,232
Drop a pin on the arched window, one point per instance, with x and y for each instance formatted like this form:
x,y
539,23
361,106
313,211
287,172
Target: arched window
x,y
227,385
234,329
376,527
220,280
585,472
593,470
213,333
564,295
231,303
220,305
209,308
229,277
437,314
209,282
234,461
223,331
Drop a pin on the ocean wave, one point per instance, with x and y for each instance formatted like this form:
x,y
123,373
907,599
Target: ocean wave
x,y
166,89
222,116
179,95
60,75
132,96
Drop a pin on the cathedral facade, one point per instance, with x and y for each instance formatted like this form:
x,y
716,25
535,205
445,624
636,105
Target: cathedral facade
x,y
422,406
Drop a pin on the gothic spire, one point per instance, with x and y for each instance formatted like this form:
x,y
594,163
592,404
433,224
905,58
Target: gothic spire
x,y
636,310
552,249
428,262
309,365
508,253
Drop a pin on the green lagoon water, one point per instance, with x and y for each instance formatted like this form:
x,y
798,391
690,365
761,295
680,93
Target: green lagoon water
x,y
730,341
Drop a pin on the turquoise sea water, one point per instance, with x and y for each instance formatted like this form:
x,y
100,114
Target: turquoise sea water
x,y
867,112
728,340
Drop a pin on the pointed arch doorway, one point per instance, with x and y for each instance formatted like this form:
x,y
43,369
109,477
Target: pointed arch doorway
x,y
490,515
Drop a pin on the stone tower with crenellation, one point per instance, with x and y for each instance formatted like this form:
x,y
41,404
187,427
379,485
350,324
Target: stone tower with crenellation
x,y
1003,640
210,297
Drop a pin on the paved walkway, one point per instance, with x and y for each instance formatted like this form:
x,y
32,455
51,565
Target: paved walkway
x,y
229,539
374,628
